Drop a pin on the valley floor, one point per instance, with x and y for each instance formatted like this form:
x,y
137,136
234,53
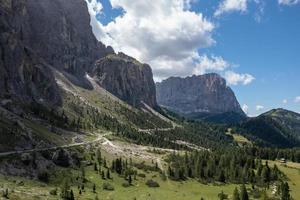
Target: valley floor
x,y
26,189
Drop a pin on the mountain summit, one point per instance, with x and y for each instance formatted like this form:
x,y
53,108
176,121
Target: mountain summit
x,y
206,94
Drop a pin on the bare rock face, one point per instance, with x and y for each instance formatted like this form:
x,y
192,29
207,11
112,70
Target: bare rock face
x,y
38,37
197,94
23,75
126,78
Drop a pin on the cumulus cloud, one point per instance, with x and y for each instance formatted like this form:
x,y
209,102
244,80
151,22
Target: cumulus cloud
x,y
215,63
164,34
288,2
259,107
234,78
284,101
297,99
245,108
231,6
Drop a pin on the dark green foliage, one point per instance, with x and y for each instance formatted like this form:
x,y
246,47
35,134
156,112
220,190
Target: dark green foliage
x,y
268,132
66,192
285,191
244,194
5,193
236,194
222,196
274,153
152,183
43,176
108,186
53,192
94,188
233,166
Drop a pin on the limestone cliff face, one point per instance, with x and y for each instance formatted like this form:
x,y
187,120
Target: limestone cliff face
x,y
23,75
39,36
197,94
126,78
59,31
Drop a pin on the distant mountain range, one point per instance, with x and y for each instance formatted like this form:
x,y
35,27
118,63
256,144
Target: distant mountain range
x,y
278,127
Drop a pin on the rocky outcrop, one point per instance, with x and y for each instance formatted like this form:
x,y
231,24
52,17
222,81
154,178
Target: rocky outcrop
x,y
126,78
197,94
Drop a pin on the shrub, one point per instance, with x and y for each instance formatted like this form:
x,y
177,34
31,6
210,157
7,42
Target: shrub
x,y
152,183
43,176
126,184
108,186
53,192
142,175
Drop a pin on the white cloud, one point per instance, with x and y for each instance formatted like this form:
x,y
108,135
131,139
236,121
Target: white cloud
x,y
96,6
230,6
259,107
284,101
288,2
245,108
297,99
260,10
214,63
164,34
234,78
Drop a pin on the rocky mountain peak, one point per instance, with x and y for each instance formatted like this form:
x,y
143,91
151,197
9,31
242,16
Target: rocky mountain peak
x,y
207,93
126,78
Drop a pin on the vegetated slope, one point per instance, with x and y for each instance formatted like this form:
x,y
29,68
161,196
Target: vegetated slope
x,y
289,120
279,128
197,96
47,53
221,118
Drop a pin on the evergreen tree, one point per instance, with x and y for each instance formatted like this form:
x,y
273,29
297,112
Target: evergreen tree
x,y
222,196
108,174
244,193
285,191
94,188
236,195
129,180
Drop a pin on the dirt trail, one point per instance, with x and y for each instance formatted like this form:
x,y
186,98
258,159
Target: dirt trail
x,y
98,139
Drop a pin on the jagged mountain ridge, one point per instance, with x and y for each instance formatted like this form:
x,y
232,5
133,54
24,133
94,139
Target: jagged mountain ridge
x,y
197,94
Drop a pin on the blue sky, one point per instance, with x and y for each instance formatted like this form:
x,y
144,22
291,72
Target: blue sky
x,y
256,41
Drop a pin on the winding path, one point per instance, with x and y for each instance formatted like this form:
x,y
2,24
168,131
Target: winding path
x,y
98,139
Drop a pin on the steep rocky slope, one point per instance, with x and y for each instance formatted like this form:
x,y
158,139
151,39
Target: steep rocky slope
x,y
197,94
38,37
126,78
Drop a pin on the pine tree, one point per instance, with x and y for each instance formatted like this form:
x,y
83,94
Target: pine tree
x,y
285,191
236,195
72,195
94,188
102,175
244,193
108,174
129,180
